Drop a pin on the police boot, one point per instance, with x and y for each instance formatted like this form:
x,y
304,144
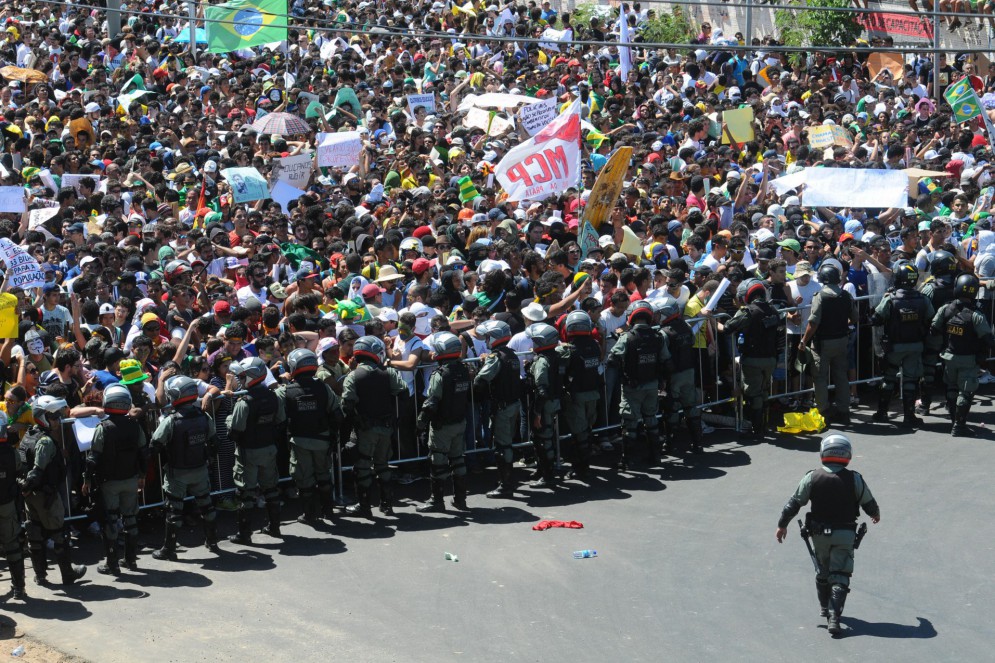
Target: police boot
x,y
110,567
694,430
654,451
547,479
670,438
824,591
17,585
505,488
325,503
960,428
71,572
309,516
39,562
756,418
459,493
952,407
361,509
386,498
244,535
436,503
910,420
836,601
884,400
131,551
211,535
273,515
925,400
168,550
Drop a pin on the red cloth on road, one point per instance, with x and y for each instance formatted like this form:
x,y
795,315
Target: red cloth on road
x,y
546,524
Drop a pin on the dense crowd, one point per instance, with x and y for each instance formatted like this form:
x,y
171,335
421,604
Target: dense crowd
x,y
412,258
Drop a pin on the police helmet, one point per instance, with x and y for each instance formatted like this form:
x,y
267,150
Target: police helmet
x,y
447,346
543,336
667,308
48,410
181,390
906,274
117,399
966,286
578,323
254,371
943,262
411,244
494,333
639,310
829,275
836,448
175,269
370,347
751,290
302,361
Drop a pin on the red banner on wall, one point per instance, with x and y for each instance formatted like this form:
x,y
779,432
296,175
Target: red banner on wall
x,y
897,24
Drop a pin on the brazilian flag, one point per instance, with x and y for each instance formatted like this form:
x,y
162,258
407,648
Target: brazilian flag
x,y
963,101
244,23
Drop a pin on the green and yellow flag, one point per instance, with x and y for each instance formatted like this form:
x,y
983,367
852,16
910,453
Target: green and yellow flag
x,y
963,100
244,23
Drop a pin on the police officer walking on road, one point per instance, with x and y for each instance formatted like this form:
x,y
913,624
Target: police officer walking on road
x,y
681,385
45,465
833,310
938,289
758,321
966,336
906,315
116,466
368,395
642,354
837,493
443,414
545,376
254,425
314,416
581,359
10,523
499,380
188,437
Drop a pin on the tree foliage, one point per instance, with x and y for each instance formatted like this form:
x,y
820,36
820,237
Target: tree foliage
x,y
818,28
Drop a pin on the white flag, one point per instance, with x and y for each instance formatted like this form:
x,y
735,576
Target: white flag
x,y
624,52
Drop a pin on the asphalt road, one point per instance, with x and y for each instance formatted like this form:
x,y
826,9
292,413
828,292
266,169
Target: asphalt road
x,y
687,569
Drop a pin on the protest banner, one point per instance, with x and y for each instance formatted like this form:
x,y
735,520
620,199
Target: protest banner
x,y
23,271
295,171
536,116
340,149
12,199
547,163
247,184
426,101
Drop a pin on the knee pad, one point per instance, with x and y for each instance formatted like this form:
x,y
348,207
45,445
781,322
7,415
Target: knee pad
x,y
439,459
35,532
324,486
209,514
458,467
271,495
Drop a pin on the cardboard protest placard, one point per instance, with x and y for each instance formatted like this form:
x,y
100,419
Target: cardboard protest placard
x,y
536,116
340,149
12,199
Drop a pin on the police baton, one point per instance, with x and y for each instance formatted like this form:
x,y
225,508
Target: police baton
x,y
808,544
861,532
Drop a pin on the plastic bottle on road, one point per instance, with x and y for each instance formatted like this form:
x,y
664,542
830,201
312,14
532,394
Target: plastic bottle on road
x,y
18,652
584,554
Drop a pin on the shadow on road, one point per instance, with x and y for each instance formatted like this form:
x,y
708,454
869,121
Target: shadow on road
x,y
923,630
304,546
170,577
233,561
51,609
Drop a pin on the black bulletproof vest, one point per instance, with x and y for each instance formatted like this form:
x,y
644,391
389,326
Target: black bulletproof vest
x,y
962,338
908,317
760,338
119,458
260,429
641,355
680,342
455,393
506,387
835,316
372,384
187,449
307,408
943,291
55,472
833,497
582,370
8,473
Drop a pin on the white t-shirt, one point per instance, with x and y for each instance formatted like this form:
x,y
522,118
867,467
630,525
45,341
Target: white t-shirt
x,y
806,293
520,342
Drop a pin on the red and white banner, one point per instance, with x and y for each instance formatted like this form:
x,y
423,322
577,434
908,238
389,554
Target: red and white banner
x,y
546,164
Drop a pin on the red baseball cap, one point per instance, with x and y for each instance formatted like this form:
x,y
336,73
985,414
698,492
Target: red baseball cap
x,y
421,265
371,290
222,308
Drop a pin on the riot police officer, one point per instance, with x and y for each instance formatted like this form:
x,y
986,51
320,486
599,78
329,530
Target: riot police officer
x,y
545,378
188,438
444,415
938,289
965,334
906,315
837,493
580,357
681,387
43,461
254,425
10,523
641,353
314,416
368,399
758,321
833,310
116,466
499,380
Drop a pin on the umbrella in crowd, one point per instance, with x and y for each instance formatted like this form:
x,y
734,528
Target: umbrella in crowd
x,y
282,124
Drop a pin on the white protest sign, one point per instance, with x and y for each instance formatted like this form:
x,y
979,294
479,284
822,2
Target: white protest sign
x,y
481,119
553,38
247,184
12,199
73,180
23,271
426,101
340,149
295,170
85,427
283,193
39,216
535,116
